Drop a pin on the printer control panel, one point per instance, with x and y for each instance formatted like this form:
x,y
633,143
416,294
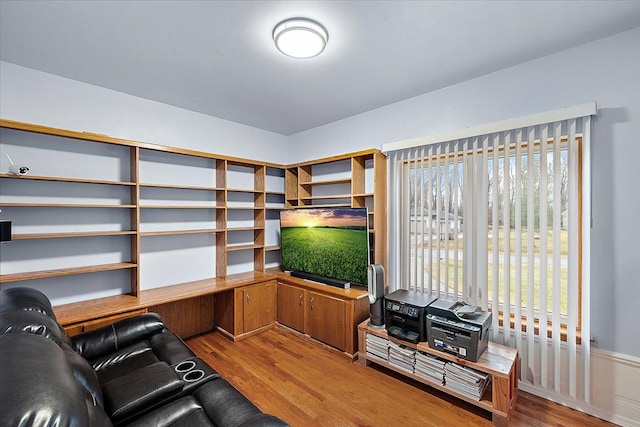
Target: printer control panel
x,y
403,309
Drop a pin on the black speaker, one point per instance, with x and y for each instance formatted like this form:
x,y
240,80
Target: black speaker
x,y
376,295
5,231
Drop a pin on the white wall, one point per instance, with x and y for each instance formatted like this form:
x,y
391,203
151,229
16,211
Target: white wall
x,y
35,97
605,71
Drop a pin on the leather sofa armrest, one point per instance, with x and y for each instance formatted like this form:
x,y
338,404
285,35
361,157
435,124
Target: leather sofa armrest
x,y
140,390
118,335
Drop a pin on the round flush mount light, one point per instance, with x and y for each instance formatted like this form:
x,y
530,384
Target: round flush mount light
x,y
300,37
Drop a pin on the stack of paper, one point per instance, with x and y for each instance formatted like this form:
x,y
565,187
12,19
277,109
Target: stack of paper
x,y
430,366
378,347
402,356
465,380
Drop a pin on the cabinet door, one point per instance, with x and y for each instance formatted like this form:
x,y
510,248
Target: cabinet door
x,y
259,306
326,319
291,306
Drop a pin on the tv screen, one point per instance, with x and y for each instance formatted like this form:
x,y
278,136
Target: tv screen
x,y
328,242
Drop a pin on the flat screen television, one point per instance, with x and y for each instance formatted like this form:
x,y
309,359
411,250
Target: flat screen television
x,y
329,245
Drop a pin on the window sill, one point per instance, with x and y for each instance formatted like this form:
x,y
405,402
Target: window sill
x,y
536,328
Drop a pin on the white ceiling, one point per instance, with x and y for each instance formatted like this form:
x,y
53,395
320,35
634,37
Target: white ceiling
x,y
218,58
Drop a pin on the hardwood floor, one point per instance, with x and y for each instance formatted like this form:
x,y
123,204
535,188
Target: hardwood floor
x,y
307,385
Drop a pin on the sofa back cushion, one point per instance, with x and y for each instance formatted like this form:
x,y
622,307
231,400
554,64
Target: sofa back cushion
x,y
27,299
31,322
38,388
108,339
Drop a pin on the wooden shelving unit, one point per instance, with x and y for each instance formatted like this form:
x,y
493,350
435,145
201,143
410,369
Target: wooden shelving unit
x,y
499,361
150,204
164,193
350,180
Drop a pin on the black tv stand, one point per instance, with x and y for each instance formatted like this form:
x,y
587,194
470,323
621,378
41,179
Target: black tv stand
x,y
322,279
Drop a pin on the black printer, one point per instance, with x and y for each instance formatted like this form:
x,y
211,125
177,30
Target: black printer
x,y
405,315
458,328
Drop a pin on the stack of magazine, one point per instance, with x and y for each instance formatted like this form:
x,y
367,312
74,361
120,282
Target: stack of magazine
x,y
430,366
378,347
465,381
402,357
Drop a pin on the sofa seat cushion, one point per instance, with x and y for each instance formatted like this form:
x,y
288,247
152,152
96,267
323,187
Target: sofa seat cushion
x,y
139,390
216,403
124,361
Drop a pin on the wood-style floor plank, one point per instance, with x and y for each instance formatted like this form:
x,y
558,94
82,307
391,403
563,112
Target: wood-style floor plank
x,y
307,385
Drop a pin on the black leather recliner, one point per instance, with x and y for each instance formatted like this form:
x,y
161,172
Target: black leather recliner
x,y
132,372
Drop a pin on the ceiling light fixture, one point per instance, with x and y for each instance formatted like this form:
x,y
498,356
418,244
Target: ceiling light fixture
x,y
300,37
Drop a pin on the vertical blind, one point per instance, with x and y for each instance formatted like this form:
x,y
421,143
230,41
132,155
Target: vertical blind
x,y
501,220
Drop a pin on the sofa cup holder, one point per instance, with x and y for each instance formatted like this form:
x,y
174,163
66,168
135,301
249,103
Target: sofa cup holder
x,y
193,371
185,366
193,375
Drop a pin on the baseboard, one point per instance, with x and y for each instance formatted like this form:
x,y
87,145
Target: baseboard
x,y
614,387
615,396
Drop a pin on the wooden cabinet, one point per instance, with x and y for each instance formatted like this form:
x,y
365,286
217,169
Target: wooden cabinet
x,y
258,306
321,312
326,319
246,310
291,306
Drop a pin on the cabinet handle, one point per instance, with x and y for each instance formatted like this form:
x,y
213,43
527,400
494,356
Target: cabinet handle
x,y
248,299
311,303
300,299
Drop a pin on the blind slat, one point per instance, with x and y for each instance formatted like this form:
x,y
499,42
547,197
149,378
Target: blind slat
x,y
517,300
506,197
422,223
557,178
572,249
544,361
531,226
446,220
495,238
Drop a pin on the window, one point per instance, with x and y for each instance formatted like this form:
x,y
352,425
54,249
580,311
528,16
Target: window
x,y
498,216
522,225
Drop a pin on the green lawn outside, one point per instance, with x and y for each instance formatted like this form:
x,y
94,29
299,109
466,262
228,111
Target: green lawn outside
x,y
524,267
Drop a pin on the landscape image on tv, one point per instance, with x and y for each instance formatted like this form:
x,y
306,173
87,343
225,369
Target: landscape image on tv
x,y
330,242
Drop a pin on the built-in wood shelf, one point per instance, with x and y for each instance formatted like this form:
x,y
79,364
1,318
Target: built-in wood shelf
x,y
72,234
331,197
64,205
180,207
62,179
176,232
244,190
180,187
257,208
232,248
327,182
32,275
